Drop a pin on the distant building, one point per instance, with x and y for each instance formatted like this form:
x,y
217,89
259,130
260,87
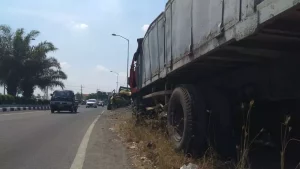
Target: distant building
x,y
84,96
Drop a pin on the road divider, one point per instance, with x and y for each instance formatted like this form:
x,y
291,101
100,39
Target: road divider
x,y
8,109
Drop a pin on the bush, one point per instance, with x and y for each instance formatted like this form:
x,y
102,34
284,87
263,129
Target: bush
x,y
1,98
8,99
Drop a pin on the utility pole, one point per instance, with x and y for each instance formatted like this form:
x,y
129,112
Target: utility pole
x,y
97,94
117,83
127,82
46,93
81,92
4,89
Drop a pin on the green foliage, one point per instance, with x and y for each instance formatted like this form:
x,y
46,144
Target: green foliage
x,y
78,96
24,66
6,99
99,95
9,99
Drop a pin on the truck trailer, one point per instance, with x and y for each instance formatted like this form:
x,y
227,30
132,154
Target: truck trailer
x,y
200,60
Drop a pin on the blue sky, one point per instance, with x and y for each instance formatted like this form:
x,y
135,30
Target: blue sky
x,y
82,29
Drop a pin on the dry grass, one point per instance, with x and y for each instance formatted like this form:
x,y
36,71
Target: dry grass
x,y
150,148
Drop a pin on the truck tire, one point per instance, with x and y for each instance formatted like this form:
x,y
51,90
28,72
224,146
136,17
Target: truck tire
x,y
186,112
222,129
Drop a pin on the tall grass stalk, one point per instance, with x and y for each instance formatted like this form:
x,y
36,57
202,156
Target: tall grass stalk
x,y
285,140
243,149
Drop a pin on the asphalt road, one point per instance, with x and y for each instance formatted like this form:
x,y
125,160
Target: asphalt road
x,y
41,140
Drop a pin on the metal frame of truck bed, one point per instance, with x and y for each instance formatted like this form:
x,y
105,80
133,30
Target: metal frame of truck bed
x,y
190,34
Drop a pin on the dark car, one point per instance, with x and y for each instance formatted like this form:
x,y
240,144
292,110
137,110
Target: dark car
x,y
63,101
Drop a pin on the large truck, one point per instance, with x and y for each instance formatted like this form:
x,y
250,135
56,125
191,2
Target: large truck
x,y
201,59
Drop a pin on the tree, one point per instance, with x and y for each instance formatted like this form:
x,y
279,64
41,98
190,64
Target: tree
x,y
24,66
38,96
41,71
78,96
14,48
5,52
99,95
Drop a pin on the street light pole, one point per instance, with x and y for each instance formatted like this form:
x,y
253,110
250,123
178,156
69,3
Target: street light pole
x,y
117,79
127,55
127,64
117,82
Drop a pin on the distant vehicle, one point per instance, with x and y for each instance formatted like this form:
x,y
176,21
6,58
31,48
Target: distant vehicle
x,y
91,103
101,103
121,99
63,101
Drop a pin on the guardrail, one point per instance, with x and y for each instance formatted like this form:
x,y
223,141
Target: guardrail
x,y
22,108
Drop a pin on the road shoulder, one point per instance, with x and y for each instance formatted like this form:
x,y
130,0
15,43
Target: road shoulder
x,y
105,148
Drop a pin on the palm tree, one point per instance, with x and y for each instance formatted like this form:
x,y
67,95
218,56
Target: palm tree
x,y
24,66
47,73
41,71
5,51
15,49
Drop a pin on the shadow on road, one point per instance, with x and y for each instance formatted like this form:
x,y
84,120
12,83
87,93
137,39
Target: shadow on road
x,y
65,112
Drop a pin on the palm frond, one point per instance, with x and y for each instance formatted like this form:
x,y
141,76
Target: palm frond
x,y
31,36
5,29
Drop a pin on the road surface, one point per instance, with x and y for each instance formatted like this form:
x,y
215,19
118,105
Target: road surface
x,y
41,140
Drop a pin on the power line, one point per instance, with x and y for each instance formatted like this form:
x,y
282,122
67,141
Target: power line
x,y
79,87
87,89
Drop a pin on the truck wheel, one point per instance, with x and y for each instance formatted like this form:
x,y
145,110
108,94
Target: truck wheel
x,y
222,128
52,111
187,120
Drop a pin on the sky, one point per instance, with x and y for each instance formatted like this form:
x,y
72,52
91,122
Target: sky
x,y
81,30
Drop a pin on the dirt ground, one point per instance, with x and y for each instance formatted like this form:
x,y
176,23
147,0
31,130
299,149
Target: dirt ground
x,y
149,147
105,149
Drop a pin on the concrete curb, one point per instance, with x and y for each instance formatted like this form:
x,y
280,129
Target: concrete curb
x,y
8,109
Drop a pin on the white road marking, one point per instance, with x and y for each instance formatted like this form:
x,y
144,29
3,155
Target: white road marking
x,y
80,156
9,114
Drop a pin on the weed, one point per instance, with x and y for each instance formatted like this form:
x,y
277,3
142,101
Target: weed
x,y
243,149
155,150
285,140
